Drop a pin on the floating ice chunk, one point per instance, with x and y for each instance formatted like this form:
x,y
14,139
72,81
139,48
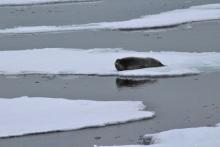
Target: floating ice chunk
x,y
37,2
101,62
161,20
189,137
20,116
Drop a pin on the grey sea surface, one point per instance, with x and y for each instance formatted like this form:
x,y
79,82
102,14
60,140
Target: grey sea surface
x,y
178,102
80,13
202,37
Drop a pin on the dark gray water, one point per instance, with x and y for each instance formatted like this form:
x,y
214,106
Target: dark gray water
x,y
202,37
72,13
178,102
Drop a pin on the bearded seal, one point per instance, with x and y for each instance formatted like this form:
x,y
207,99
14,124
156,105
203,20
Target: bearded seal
x,y
130,63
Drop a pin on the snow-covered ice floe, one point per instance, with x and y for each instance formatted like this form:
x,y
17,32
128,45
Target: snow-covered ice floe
x,y
161,20
101,62
38,2
24,115
189,137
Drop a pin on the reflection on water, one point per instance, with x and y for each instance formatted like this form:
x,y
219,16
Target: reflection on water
x,y
133,82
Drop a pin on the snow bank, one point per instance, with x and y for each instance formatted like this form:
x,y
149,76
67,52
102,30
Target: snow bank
x,y
190,137
101,62
37,2
20,116
162,20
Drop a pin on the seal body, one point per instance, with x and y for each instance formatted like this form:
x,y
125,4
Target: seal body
x,y
130,63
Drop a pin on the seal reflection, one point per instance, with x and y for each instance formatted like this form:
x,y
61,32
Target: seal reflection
x,y
133,82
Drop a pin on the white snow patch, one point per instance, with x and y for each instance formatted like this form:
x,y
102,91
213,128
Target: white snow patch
x,y
101,62
161,20
20,116
37,2
189,137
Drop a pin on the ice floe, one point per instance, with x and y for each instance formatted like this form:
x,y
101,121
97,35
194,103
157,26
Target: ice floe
x,y
161,20
189,137
37,2
101,62
24,115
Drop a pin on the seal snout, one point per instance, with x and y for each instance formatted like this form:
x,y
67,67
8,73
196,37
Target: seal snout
x,y
118,65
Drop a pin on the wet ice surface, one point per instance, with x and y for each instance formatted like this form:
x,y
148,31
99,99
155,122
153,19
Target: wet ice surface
x,y
100,62
162,20
40,114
